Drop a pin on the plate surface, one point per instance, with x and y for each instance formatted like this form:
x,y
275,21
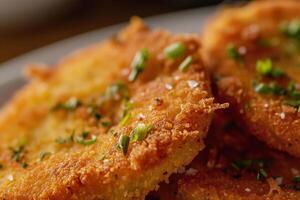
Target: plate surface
x,y
11,77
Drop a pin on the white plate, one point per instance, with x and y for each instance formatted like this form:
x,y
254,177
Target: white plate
x,y
11,72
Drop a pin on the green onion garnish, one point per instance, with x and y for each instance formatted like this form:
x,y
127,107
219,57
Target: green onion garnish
x,y
83,138
175,50
261,174
138,63
125,119
262,88
241,164
117,90
296,179
233,53
106,123
185,63
70,105
140,132
265,68
123,143
292,29
43,155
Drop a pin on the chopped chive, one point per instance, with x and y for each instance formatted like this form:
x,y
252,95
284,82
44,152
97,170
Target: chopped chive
x,y
292,102
43,155
175,50
261,174
92,110
117,90
123,143
83,138
125,119
185,63
24,165
241,164
296,179
70,105
106,123
272,88
264,67
233,53
17,154
140,132
292,29
262,88
67,140
138,63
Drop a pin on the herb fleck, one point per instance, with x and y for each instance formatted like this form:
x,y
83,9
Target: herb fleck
x,y
175,50
123,143
138,63
186,63
140,132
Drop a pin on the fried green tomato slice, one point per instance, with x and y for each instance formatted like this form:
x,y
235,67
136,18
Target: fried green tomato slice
x,y
234,166
253,52
109,122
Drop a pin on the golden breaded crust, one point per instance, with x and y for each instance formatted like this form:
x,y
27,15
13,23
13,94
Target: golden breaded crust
x,y
228,169
263,34
47,132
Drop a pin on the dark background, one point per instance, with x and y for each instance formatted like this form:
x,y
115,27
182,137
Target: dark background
x,y
82,16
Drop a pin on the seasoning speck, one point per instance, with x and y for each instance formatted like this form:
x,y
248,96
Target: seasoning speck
x,y
168,86
10,177
282,115
192,84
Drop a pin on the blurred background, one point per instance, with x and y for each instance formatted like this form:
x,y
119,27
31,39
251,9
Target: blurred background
x,y
29,24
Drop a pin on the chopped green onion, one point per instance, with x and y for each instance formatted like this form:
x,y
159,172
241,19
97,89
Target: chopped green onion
x,y
92,110
233,53
83,138
125,119
262,88
24,165
264,67
43,155
292,102
70,105
277,72
138,63
140,132
296,179
292,29
17,153
185,63
175,50
241,164
67,140
261,174
272,88
123,143
106,123
116,91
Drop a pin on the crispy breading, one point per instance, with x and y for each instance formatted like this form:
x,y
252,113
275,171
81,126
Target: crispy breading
x,y
253,53
229,169
60,135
